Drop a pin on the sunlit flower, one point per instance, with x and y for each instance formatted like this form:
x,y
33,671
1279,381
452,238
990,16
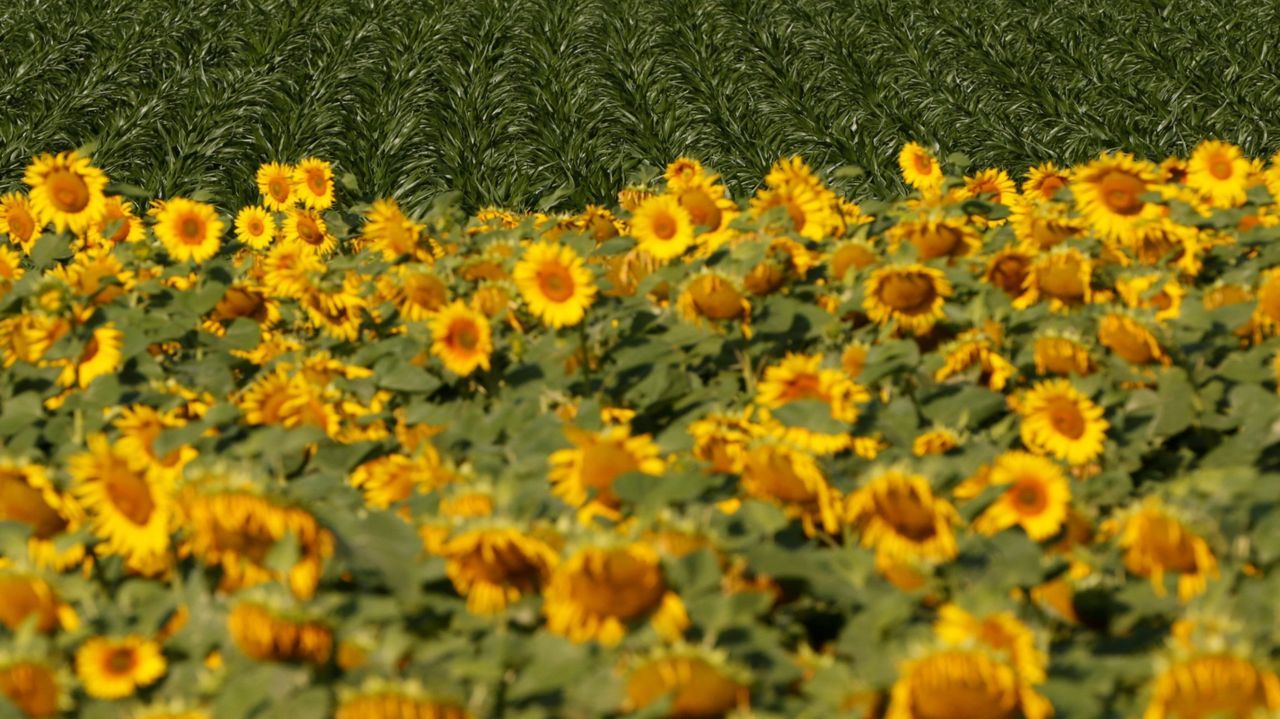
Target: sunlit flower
x,y
116,668
599,592
1058,420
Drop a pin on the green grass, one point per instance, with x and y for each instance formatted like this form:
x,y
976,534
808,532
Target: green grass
x,y
510,101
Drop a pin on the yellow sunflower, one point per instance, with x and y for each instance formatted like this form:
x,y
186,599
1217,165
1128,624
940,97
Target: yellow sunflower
x,y
11,269
1108,192
275,183
1044,180
850,255
29,497
38,688
711,297
117,225
1219,172
307,229
976,349
139,427
992,183
393,478
1058,420
583,476
920,168
460,337
1129,339
388,230
935,237
114,668
722,439
999,631
811,208
313,183
700,682
662,228
1036,496
555,284
1064,354
494,567
339,311
267,635
1213,684
935,441
30,597
1267,313
1008,269
599,592
18,221
1062,275
1040,225
418,293
99,356
66,191
255,227
382,700
189,230
791,478
127,511
956,683
910,296
1155,542
899,517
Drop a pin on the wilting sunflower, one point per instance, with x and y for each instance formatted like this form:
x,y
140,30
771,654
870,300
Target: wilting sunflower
x,y
114,668
308,230
711,297
1064,354
494,567
255,227
337,311
275,182
129,512
1036,496
962,684
1001,632
555,284
1219,172
600,591
189,230
1108,192
383,700
37,687
920,168
910,296
1156,541
18,220
461,338
899,516
976,349
791,478
313,183
1214,685
700,682
1058,420
267,635
1130,339
117,225
662,228
583,476
66,191
722,439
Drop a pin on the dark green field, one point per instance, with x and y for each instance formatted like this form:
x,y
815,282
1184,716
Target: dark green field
x,y
510,101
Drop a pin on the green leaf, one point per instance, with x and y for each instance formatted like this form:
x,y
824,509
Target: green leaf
x,y
811,414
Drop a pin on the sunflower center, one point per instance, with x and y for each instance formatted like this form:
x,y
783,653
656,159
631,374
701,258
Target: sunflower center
x,y
1066,418
191,230
938,241
702,209
1119,191
21,502
308,231
555,282
129,494
618,585
904,510
90,350
256,227
1220,168
1009,272
316,182
238,302
278,188
21,224
1050,187
910,293
465,335
664,226
122,228
923,163
1028,496
67,191
120,661
806,385
1061,279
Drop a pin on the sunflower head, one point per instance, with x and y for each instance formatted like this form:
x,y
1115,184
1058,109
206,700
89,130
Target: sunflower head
x,y
700,682
18,220
711,297
955,683
128,510
791,478
114,668
555,284
662,227
1060,421
35,685
380,699
66,191
1213,684
268,634
313,183
275,183
1036,496
920,168
496,566
460,337
1109,193
1220,172
1062,353
583,475
255,227
899,516
1130,339
909,296
1044,181
189,230
1156,541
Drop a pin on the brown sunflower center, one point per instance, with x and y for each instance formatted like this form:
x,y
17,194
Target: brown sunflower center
x,y
90,350
907,513
702,209
256,227
1028,496
939,241
1066,418
190,229
1050,186
1009,272
465,335
923,163
716,299
664,226
120,661
805,385
316,182
1220,168
426,292
957,685
21,224
910,292
555,282
619,585
279,189
67,191
129,494
309,231
1119,191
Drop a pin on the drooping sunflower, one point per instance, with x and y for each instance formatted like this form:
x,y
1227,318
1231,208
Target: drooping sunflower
x,y
701,683
711,297
935,237
1156,541
600,591
791,478
1130,339
1219,172
1063,354
38,687
417,292
114,668
1108,192
955,683
935,441
379,699
709,206
275,183
117,225
722,439
976,349
1036,496
313,183
255,227
190,230
583,476
18,220
1058,420
555,284
269,635
307,229
66,191
999,631
1062,275
899,517
494,567
460,337
920,168
129,512
1213,684
910,296
29,497
1008,269
662,228
1044,180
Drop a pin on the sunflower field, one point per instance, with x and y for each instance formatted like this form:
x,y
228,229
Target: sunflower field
x,y
986,448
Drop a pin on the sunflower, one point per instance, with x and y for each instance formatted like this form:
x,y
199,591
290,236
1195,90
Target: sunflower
x,y
934,237
954,683
598,592
1219,172
583,476
790,477
307,229
854,359
18,221
992,183
267,635
461,338
235,530
662,228
1267,313
66,191
1036,496
1129,339
129,512
393,478
1147,291
1058,420
275,183
417,292
29,597
1156,541
722,439
920,168
1064,354
1213,685
1063,276
1001,632
29,497
555,284
114,668
850,255
1108,192
802,377
899,516
36,687
189,230
711,297
339,312
313,183
1040,225
10,269
935,441
708,204
811,208
255,227
99,356
383,700
388,230
243,301
911,296
495,567
139,427
700,683
976,348
1044,181
289,270
117,225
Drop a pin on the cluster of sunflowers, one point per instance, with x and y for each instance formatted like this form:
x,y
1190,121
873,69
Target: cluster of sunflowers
x,y
987,450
